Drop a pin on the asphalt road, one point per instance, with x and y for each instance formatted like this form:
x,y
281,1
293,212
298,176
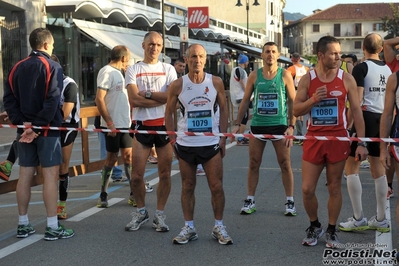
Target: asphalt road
x,y
266,237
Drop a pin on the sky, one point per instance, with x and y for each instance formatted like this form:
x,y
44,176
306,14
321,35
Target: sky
x,y
295,6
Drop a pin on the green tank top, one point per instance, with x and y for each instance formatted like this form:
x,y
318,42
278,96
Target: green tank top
x,y
270,100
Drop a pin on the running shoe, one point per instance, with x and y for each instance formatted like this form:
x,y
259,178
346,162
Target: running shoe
x,y
249,207
290,208
365,164
132,201
119,179
25,230
187,234
332,239
152,159
390,193
5,170
243,142
200,172
61,232
138,220
219,233
61,212
312,235
354,225
148,188
102,201
382,226
159,223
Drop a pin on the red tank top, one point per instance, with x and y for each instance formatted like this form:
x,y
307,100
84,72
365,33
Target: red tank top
x,y
330,113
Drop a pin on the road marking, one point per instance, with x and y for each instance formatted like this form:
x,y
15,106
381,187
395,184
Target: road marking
x,y
384,238
79,217
20,245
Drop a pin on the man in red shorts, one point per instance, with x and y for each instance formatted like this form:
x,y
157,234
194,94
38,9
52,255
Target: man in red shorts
x,y
322,93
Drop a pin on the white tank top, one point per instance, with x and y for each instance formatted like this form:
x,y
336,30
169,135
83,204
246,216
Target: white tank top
x,y
299,73
375,83
198,112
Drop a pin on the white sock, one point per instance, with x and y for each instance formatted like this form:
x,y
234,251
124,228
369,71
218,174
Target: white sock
x,y
355,194
290,198
381,190
218,222
52,222
23,219
251,198
189,223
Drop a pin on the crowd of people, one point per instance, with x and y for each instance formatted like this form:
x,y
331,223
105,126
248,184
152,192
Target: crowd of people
x,y
340,96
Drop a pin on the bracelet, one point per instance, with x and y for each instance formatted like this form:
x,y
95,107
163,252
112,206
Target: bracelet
x,y
110,123
292,126
172,142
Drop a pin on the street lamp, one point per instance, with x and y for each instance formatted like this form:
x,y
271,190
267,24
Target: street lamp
x,y
256,3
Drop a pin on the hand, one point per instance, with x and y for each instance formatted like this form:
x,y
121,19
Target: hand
x,y
385,158
320,94
289,132
28,136
112,134
235,130
361,153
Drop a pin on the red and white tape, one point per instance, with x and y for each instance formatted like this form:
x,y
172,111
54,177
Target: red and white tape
x,y
248,135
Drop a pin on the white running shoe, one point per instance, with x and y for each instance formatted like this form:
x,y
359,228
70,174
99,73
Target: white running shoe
x,y
354,225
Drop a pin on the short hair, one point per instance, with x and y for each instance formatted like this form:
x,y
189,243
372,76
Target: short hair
x,y
38,37
151,33
189,49
270,44
118,52
372,43
321,46
179,60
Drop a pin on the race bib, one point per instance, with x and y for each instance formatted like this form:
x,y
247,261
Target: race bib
x,y
199,121
325,113
267,104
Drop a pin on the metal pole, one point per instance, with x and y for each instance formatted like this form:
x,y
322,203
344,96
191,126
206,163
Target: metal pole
x,y
247,22
163,32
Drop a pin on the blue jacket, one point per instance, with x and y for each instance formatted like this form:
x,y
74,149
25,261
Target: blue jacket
x,y
32,93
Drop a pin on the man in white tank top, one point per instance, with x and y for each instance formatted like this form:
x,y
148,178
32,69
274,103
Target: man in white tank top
x,y
203,108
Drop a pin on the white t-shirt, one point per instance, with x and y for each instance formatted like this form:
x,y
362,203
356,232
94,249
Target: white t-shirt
x,y
116,99
150,77
236,90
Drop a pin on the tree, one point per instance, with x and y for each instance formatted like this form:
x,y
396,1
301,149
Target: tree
x,y
391,24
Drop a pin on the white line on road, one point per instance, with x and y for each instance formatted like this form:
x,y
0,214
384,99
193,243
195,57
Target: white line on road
x,y
20,245
79,217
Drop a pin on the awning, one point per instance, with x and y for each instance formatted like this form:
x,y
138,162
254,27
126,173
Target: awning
x,y
111,36
254,51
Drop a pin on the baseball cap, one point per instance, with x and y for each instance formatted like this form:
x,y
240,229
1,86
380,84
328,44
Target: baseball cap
x,y
242,59
295,55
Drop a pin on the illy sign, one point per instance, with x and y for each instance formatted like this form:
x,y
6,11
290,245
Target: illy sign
x,y
198,17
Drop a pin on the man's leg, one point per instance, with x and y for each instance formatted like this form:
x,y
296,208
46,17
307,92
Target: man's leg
x,y
64,181
334,178
256,148
23,190
189,182
164,168
50,195
310,176
284,161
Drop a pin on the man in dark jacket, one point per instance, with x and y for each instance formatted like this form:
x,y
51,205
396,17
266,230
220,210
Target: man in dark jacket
x,y
32,98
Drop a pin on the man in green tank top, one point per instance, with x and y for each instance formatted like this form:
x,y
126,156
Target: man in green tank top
x,y
274,93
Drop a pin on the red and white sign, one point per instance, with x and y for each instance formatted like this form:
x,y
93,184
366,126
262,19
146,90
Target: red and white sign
x,y
198,17
184,34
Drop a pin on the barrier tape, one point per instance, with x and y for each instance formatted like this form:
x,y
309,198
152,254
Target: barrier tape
x,y
246,135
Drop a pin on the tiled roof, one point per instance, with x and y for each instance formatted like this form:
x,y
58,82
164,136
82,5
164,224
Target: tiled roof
x,y
353,12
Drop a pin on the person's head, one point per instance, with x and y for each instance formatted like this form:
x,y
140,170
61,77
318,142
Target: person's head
x,y
372,43
152,45
41,39
243,60
349,58
180,65
328,49
120,53
270,53
196,58
55,58
295,58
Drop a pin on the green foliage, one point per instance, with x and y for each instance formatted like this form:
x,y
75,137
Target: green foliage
x,y
391,24
312,59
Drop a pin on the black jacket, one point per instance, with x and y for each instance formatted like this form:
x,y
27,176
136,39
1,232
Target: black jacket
x,y
32,93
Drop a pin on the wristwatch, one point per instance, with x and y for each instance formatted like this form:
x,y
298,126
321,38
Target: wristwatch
x,y
362,143
148,94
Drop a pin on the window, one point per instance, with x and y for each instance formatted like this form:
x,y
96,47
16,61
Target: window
x,y
180,12
377,26
358,44
271,8
228,27
337,30
358,29
316,27
234,28
221,25
240,31
212,22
